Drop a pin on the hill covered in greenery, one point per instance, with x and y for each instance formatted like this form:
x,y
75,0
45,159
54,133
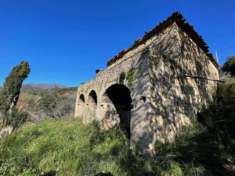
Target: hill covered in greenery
x,y
47,101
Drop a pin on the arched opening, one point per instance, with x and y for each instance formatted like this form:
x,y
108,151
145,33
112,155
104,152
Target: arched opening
x,y
92,103
82,98
121,98
80,106
93,97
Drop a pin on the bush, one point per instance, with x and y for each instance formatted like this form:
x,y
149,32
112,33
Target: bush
x,y
219,118
229,66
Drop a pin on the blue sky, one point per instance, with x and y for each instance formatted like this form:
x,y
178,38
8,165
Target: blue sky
x,y
66,40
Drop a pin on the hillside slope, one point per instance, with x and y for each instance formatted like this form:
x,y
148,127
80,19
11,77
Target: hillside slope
x,y
42,102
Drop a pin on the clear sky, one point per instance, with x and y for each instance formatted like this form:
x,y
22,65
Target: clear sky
x,y
66,40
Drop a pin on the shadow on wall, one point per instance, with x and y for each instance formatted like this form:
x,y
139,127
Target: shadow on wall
x,y
173,95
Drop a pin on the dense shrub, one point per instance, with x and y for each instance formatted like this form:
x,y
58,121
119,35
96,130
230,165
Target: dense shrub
x,y
219,119
229,66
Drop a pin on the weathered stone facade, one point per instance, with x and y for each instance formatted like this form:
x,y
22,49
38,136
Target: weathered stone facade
x,y
153,89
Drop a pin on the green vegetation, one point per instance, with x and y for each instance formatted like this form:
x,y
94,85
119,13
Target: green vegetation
x,y
10,93
229,66
131,76
63,147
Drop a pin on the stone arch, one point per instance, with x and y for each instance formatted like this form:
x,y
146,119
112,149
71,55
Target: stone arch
x,y
120,96
93,97
92,102
80,107
82,98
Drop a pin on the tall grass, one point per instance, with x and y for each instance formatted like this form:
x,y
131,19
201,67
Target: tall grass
x,y
63,147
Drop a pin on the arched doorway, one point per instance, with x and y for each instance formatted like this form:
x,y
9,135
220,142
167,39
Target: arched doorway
x,y
120,96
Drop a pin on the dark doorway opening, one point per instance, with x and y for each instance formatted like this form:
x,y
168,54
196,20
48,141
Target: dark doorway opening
x,y
121,98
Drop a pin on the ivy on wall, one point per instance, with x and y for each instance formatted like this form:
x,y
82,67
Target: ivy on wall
x,y
131,76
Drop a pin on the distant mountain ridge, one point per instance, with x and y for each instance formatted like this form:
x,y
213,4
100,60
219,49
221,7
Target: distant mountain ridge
x,y
42,86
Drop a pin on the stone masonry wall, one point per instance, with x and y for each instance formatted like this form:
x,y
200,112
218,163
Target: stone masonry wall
x,y
182,80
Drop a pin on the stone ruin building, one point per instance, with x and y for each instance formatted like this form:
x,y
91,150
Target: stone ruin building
x,y
154,87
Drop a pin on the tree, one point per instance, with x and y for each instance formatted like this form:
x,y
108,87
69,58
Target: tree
x,y
229,65
11,89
